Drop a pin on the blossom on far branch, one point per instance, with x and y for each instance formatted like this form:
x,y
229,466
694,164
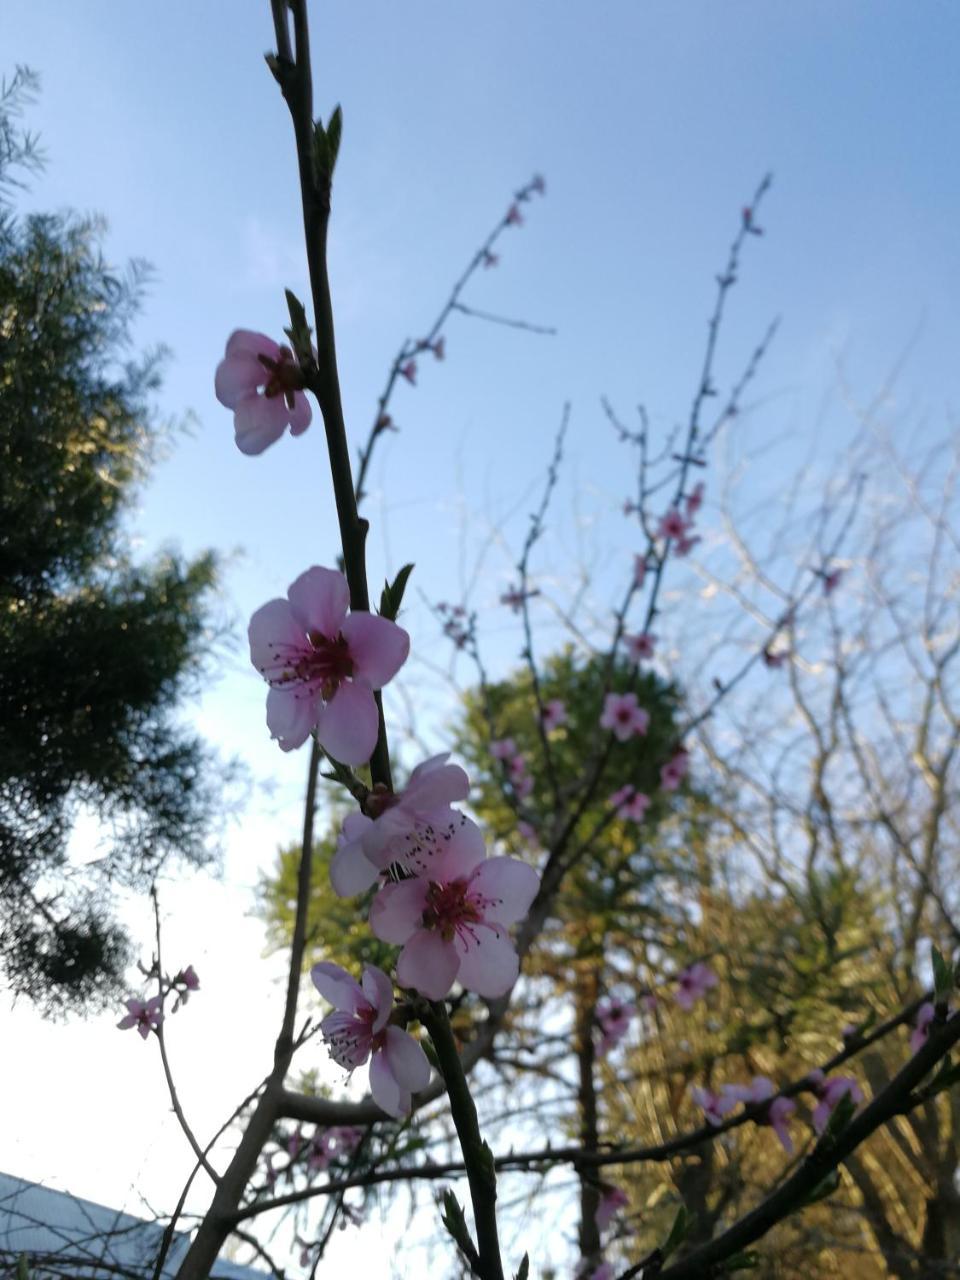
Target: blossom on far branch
x,y
779,1112
145,1016
831,1091
406,823
360,1028
614,1018
921,1027
693,984
554,714
640,647
323,665
408,370
263,385
623,716
631,805
675,770
612,1200
450,918
182,984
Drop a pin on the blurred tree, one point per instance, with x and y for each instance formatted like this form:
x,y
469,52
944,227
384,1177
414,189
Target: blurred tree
x,y
95,650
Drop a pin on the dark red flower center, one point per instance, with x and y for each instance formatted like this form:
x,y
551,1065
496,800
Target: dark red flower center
x,y
449,910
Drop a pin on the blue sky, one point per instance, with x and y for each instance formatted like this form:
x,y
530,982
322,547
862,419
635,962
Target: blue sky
x,y
652,123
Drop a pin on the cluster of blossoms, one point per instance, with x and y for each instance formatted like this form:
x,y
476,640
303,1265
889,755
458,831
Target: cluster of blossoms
x,y
718,1105
676,525
324,1146
441,899
457,623
147,1015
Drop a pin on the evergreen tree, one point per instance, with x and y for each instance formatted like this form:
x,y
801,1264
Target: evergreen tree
x,y
96,651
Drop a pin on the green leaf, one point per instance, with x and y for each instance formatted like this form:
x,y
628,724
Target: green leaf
x,y
334,130
320,154
843,1113
942,975
823,1189
23,1270
524,1271
678,1232
392,596
299,331
748,1260
453,1219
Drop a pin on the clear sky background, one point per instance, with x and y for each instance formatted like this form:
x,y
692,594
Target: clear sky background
x,y
652,122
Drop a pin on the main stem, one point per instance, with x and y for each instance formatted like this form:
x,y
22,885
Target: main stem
x,y
477,1156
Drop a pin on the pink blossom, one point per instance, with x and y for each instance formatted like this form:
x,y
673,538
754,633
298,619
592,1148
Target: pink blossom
x,y
490,259
515,598
672,525
760,1089
146,1017
503,748
450,918
831,581
605,1271
360,1028
775,660
187,978
635,809
323,666
921,1027
538,184
612,1200
254,361
781,1109
408,370
693,984
674,771
408,822
514,217
629,507
623,717
554,714
639,570
641,646
439,347
694,500
684,544
620,796
614,1017
831,1091
716,1106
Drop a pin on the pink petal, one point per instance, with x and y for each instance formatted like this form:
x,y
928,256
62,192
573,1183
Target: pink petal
x,y
387,1093
248,342
337,986
238,376
127,1022
319,599
348,725
408,1062
435,784
300,415
428,964
491,966
378,990
276,639
510,884
348,1039
378,647
397,910
258,422
292,716
463,852
350,872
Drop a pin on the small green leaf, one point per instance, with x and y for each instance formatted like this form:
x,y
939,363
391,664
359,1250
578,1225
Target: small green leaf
x,y
678,1232
524,1271
299,331
748,1260
453,1219
334,130
843,1113
23,1269
321,155
823,1189
391,597
942,975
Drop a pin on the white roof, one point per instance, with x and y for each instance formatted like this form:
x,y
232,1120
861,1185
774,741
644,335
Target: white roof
x,y
64,1235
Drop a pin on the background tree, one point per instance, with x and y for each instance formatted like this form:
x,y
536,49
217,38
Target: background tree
x,y
96,650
